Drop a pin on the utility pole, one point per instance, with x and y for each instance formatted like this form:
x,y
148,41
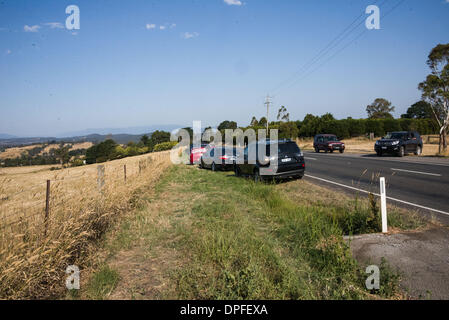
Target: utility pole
x,y
268,102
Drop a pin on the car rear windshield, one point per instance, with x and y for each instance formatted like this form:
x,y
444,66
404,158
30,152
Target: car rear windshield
x,y
285,148
396,135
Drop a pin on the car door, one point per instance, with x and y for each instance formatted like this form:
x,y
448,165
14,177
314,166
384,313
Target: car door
x,y
410,144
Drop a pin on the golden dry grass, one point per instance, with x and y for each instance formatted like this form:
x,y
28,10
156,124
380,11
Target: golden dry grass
x,y
12,153
32,263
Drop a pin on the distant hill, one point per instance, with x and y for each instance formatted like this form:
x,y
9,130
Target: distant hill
x,y
115,134
120,131
6,136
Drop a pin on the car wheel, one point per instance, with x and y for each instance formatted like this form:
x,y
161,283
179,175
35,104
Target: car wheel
x,y
379,153
237,171
257,176
342,151
317,150
326,150
331,151
418,151
201,164
401,152
213,167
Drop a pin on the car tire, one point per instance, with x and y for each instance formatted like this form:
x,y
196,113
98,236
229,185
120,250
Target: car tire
x,y
317,150
401,152
331,151
257,176
213,167
237,171
342,151
418,151
379,153
201,164
326,150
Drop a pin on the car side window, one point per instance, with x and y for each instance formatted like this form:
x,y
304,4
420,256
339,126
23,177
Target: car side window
x,y
212,153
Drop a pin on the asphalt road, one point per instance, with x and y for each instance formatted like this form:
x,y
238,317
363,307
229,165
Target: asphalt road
x,y
418,182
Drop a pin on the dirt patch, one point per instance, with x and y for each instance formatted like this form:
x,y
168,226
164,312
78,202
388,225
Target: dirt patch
x,y
422,257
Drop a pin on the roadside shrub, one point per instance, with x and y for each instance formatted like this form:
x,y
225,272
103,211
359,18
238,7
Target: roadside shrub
x,y
164,146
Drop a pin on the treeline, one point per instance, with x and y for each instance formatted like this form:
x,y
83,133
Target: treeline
x,y
347,128
109,150
36,156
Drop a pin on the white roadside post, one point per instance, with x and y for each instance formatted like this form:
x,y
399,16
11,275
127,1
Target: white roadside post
x,y
383,205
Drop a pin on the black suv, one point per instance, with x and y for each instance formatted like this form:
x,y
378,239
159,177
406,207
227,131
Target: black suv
x,y
400,143
287,162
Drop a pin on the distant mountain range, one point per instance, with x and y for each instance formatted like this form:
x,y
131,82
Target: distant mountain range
x,y
6,136
90,135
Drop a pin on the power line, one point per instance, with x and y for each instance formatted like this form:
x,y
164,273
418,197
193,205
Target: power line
x,y
344,47
323,52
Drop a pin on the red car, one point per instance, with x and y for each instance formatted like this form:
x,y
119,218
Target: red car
x,y
328,143
196,153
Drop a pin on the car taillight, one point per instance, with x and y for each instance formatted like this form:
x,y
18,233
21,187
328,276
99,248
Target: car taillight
x,y
224,158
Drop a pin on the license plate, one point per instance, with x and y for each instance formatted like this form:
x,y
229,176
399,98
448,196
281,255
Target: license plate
x,y
286,160
384,148
336,148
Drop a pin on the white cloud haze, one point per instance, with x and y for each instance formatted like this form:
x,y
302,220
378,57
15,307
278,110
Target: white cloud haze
x,y
27,28
239,3
190,35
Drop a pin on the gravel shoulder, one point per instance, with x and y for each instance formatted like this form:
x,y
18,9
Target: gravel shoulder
x,y
422,258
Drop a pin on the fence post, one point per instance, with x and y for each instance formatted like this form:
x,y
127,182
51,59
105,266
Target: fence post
x,y
124,171
47,207
100,177
383,205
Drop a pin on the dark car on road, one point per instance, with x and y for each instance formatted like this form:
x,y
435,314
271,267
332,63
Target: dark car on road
x,y
215,160
328,143
286,162
399,143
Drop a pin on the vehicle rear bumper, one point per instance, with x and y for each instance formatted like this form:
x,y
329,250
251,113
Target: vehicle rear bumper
x,y
274,174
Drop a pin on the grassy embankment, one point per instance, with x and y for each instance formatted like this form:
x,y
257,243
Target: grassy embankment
x,y
206,235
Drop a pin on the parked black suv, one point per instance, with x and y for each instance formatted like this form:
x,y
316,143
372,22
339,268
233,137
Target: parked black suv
x,y
399,143
287,162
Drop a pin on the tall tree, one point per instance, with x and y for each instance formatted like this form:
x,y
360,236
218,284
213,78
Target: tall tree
x,y
145,140
254,122
418,110
263,121
283,115
380,109
227,125
435,89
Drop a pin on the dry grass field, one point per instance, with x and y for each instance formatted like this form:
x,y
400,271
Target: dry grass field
x,y
12,153
364,145
34,252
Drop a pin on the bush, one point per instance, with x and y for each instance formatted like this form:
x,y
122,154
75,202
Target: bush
x,y
164,146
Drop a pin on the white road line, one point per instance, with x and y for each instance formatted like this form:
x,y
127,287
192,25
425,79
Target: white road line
x,y
418,172
310,159
378,195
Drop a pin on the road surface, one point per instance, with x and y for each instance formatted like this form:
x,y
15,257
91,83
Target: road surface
x,y
418,182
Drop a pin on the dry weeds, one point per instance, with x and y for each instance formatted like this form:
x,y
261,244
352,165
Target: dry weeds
x,y
32,264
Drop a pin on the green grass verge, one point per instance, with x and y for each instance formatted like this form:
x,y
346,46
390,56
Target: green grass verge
x,y
215,236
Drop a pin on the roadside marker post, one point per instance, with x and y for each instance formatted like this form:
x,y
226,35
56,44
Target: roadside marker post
x,y
383,205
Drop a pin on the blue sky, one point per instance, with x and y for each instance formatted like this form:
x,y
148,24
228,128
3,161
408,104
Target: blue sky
x,y
142,62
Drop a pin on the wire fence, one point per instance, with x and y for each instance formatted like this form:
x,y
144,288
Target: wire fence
x,y
32,206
